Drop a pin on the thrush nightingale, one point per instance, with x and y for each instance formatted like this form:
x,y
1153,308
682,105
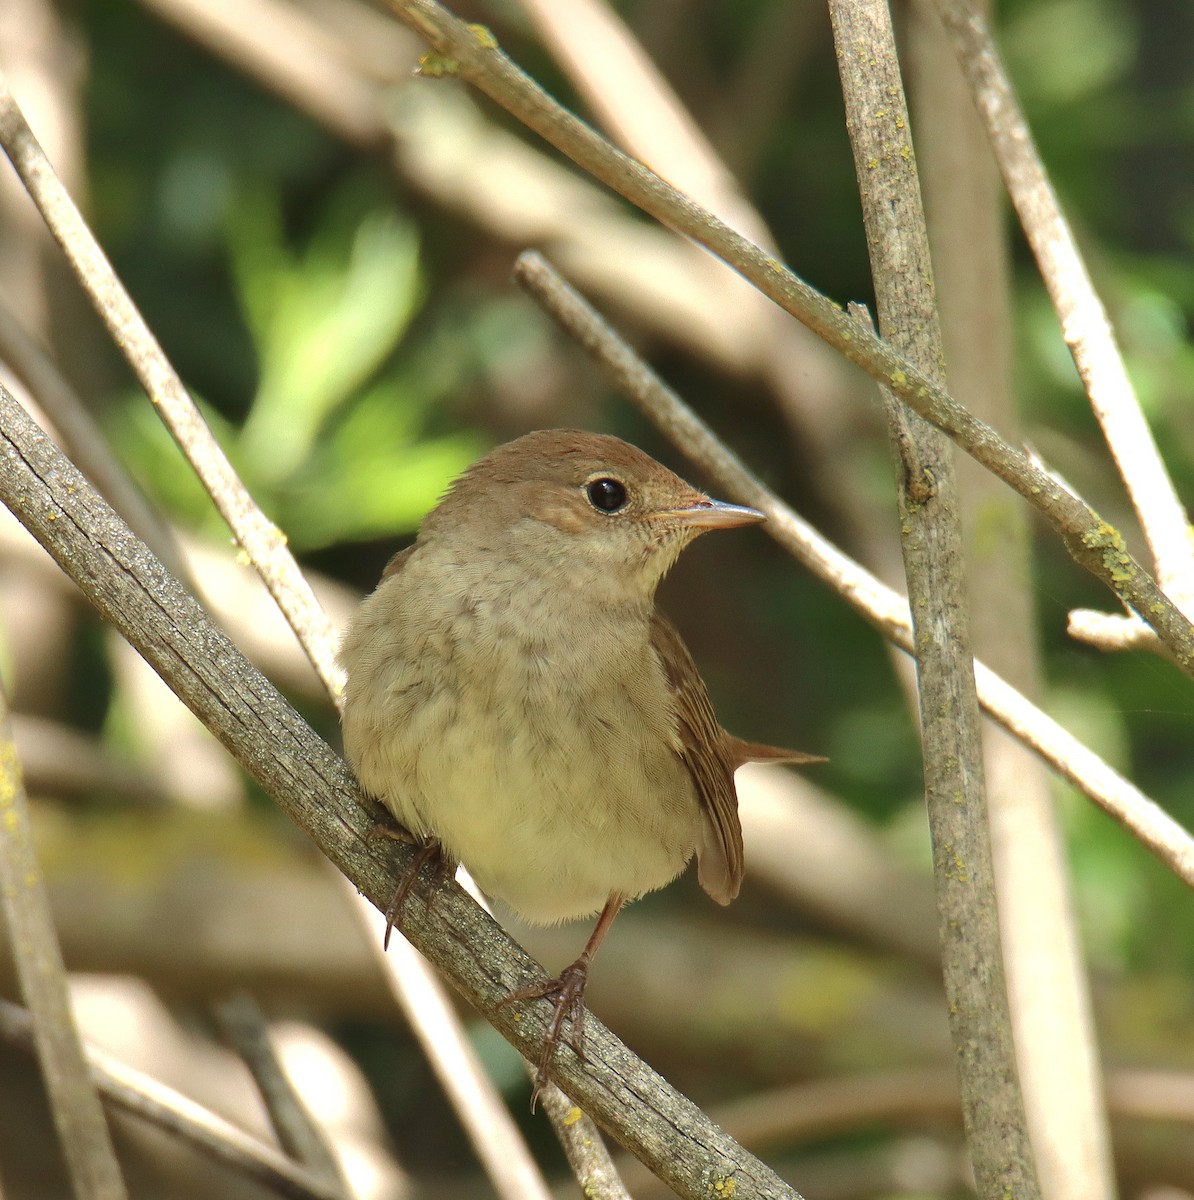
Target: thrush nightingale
x,y
520,705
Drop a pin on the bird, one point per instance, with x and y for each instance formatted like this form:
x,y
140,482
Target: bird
x,y
519,704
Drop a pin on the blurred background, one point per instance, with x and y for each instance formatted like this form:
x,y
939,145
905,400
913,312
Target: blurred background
x,y
322,241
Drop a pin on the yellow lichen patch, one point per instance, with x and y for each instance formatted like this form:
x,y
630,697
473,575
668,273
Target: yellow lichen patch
x,y
483,36
898,378
1116,560
574,1115
435,65
724,1187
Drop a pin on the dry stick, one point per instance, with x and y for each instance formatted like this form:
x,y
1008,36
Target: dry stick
x,y
900,1097
501,1147
472,53
75,1106
258,537
296,57
315,788
1084,322
874,601
244,1025
934,565
1048,989
428,1009
620,83
144,1097
585,1149
84,441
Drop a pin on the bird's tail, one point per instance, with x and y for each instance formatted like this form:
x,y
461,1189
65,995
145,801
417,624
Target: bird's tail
x,y
757,752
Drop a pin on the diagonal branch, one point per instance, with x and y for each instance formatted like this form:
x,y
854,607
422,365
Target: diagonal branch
x,y
472,53
874,601
258,536
1085,325
312,785
25,909
501,1147
132,1091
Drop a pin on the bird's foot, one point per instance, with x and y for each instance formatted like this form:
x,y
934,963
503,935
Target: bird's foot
x,y
427,852
568,992
388,830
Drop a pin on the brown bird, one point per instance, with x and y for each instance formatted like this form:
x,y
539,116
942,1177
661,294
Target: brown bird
x,y
517,701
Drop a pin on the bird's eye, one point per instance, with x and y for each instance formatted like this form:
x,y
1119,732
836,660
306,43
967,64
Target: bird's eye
x,y
607,495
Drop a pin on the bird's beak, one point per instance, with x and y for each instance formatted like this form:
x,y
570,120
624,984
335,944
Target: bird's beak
x,y
706,514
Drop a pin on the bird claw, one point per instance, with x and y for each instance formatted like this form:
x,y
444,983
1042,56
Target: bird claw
x,y
428,852
568,992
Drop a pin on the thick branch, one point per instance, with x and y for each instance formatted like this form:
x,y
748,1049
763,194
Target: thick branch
x,y
931,529
276,747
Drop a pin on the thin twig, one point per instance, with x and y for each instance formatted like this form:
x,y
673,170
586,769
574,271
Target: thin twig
x,y
472,53
624,87
311,784
934,565
583,1146
494,1136
142,1096
292,54
485,1115
84,441
1112,631
298,1134
259,537
78,1115
1084,322
873,600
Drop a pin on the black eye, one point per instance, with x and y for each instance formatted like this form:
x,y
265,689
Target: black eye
x,y
608,495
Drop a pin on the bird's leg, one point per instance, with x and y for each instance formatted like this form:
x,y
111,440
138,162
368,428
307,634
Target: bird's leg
x,y
429,851
568,991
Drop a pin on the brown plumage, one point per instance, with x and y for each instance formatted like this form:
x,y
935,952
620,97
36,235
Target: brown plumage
x,y
514,694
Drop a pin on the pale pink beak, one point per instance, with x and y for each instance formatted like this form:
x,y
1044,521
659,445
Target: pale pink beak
x,y
713,514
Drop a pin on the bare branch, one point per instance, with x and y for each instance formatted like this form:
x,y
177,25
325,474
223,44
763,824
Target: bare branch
x,y
292,55
83,439
315,788
244,1025
632,99
78,1116
1056,1042
128,1089
878,604
260,538
494,1135
931,540
1112,631
472,53
583,1146
1084,322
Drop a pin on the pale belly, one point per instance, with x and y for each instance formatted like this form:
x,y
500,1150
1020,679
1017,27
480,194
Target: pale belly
x,y
551,805
553,812
538,748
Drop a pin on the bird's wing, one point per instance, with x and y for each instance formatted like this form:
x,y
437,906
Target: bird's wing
x,y
397,562
706,752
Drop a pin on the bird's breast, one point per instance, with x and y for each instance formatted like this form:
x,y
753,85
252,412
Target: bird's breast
x,y
538,743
